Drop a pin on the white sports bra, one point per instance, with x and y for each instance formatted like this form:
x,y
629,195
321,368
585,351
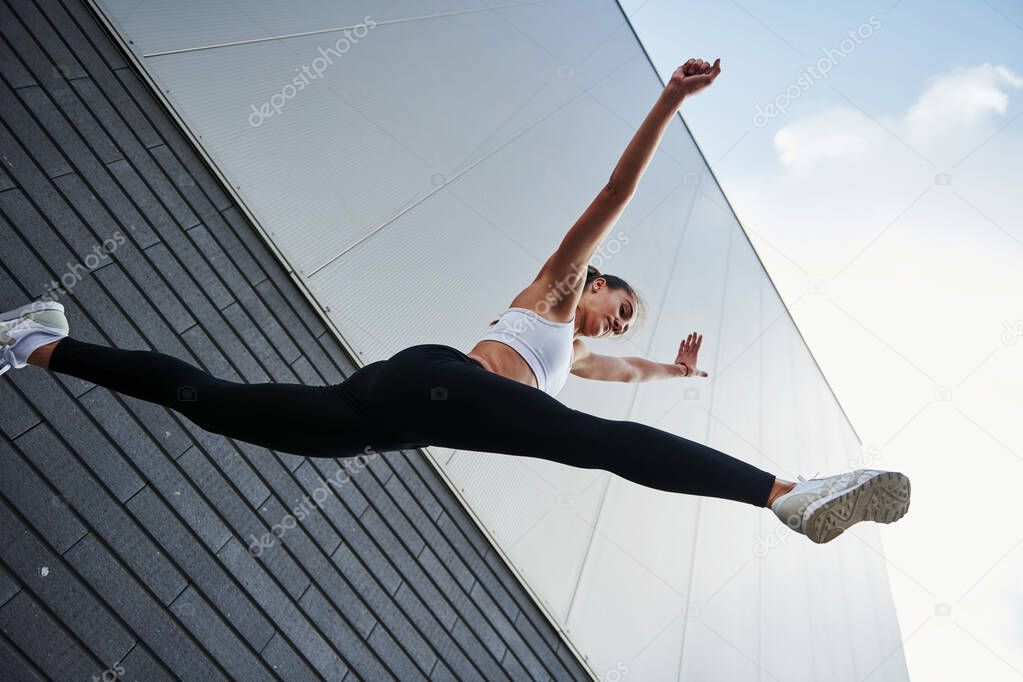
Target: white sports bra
x,y
545,346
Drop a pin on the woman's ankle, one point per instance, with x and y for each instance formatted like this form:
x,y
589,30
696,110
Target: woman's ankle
x,y
779,488
40,357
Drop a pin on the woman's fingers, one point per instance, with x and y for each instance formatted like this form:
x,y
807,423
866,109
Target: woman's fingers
x,y
699,72
694,66
691,343
714,69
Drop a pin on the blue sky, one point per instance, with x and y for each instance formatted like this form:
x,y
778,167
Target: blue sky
x,y
763,46
896,181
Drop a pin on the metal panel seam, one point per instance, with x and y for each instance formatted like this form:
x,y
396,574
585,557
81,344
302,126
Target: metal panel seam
x,y
743,229
214,46
136,61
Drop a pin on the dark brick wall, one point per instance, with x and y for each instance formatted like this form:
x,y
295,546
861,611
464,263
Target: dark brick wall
x,y
124,526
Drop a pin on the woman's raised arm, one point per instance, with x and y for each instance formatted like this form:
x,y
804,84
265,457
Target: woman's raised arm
x,y
569,262
688,79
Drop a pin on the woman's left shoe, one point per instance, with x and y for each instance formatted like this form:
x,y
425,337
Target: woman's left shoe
x,y
823,508
24,329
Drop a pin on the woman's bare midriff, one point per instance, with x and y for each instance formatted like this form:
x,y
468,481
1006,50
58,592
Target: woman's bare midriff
x,y
501,359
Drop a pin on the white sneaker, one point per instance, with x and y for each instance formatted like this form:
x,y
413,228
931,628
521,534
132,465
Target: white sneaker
x,y
24,329
823,508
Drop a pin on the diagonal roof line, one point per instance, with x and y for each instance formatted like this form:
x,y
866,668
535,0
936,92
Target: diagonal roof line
x,y
743,229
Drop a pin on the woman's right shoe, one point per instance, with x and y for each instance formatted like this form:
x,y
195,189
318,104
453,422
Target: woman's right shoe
x,y
823,508
24,329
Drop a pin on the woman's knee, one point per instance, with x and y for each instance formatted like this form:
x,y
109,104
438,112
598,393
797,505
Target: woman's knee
x,y
202,398
607,442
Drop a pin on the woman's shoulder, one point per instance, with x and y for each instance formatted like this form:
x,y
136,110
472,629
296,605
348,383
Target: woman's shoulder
x,y
547,303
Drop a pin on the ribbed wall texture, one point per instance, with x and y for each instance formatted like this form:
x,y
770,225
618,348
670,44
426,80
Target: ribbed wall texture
x,y
432,159
124,528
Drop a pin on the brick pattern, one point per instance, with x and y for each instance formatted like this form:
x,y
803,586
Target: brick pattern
x,y
125,528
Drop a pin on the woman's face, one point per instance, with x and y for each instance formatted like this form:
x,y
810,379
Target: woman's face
x,y
604,311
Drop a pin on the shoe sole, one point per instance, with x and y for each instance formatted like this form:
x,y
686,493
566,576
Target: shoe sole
x,y
883,498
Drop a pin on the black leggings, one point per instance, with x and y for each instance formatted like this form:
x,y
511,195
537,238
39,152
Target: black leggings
x,y
424,395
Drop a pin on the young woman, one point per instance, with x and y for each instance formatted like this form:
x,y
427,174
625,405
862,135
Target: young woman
x,y
499,396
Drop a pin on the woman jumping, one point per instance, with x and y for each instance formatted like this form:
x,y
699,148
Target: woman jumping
x,y
496,398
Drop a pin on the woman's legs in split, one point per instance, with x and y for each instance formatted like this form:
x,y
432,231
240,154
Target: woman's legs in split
x,y
428,394
448,399
437,395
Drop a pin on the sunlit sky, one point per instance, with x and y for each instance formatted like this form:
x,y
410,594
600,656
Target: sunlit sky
x,y
895,179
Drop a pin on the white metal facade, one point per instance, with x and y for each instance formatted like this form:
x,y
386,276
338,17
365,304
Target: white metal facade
x,y
417,182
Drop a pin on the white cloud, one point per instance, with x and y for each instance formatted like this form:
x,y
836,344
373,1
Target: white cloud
x,y
845,175
831,135
947,117
929,282
964,97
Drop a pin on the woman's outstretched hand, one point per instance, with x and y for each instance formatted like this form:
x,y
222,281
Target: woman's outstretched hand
x,y
686,358
694,76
